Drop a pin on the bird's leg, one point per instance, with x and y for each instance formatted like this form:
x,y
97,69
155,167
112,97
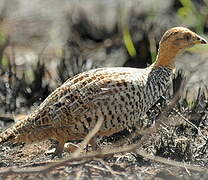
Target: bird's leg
x,y
59,149
93,143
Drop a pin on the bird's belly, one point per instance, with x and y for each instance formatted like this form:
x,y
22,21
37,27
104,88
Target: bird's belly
x,y
117,114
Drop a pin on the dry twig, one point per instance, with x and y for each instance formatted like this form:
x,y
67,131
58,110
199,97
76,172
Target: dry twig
x,y
89,136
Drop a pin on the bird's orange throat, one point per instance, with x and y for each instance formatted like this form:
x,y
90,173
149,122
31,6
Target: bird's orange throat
x,y
166,57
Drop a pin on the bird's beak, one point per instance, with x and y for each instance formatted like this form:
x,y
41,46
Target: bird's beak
x,y
200,40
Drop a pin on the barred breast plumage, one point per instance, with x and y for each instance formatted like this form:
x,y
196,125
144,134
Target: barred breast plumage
x,y
120,96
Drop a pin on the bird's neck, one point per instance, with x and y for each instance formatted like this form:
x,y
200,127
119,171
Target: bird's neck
x,y
166,57
157,83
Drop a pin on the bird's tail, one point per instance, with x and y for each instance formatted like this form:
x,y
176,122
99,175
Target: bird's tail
x,y
7,135
10,133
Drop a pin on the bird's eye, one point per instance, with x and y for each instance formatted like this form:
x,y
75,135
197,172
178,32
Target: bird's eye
x,y
187,37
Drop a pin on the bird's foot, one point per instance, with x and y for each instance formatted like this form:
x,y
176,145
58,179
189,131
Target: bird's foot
x,y
55,154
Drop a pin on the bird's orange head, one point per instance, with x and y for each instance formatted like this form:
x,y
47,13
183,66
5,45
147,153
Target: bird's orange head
x,y
174,42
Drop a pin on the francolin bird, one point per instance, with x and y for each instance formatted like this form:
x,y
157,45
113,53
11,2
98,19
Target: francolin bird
x,y
118,95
